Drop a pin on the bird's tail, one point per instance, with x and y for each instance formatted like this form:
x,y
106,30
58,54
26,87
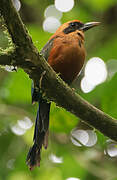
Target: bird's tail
x,y
40,134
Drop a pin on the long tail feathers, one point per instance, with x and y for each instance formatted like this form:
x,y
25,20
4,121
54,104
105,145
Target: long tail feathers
x,y
40,135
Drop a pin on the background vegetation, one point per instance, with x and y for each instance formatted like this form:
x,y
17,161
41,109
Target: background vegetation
x,y
85,163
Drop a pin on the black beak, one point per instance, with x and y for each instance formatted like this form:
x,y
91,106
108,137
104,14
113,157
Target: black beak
x,y
89,25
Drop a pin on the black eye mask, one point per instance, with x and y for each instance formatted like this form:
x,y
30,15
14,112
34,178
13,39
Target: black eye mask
x,y
73,26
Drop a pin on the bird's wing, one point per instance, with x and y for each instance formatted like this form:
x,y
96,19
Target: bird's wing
x,y
36,95
47,48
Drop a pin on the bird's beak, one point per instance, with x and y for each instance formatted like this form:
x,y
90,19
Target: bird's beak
x,y
89,25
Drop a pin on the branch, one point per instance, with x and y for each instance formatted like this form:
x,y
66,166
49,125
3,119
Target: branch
x,y
14,24
6,59
51,84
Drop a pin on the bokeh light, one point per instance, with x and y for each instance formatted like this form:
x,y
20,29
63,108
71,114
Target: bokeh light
x,y
64,5
92,138
79,137
72,178
51,11
86,86
17,4
25,123
10,164
16,129
111,148
95,73
111,67
51,24
56,159
21,126
10,68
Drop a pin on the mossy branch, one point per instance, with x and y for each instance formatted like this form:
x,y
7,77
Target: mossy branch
x,y
52,85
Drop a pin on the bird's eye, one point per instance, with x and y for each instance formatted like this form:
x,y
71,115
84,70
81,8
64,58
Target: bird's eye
x,y
72,24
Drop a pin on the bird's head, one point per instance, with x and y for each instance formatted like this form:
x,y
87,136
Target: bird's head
x,y
76,25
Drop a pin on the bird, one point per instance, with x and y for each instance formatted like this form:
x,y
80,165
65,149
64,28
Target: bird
x,y
65,52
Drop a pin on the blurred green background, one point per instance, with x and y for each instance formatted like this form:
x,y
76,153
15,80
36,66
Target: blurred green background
x,y
62,160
